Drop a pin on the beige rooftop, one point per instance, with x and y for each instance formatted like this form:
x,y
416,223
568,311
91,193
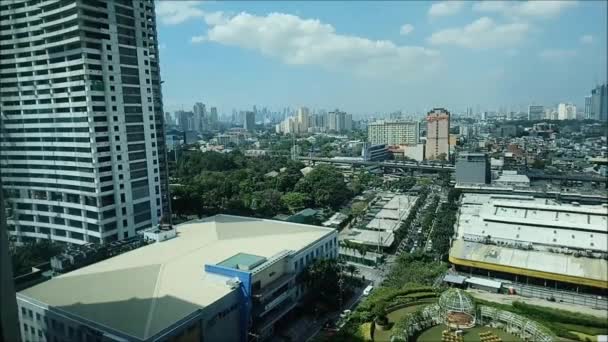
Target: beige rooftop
x,y
146,290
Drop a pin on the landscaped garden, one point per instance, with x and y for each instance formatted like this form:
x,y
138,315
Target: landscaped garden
x,y
434,334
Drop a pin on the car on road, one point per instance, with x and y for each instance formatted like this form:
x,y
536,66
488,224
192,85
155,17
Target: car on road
x,y
368,290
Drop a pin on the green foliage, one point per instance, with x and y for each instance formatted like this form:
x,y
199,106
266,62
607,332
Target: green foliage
x,y
211,183
326,187
418,267
326,284
32,254
295,201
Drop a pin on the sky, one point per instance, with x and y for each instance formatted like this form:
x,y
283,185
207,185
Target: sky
x,y
377,57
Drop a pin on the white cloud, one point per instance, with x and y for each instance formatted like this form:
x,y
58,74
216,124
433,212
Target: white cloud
x,y
586,39
177,12
446,8
298,41
482,33
528,9
557,54
406,29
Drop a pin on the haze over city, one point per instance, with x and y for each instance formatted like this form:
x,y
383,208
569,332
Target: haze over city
x,y
374,57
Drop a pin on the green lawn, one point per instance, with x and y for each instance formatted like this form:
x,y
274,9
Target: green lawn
x,y
470,335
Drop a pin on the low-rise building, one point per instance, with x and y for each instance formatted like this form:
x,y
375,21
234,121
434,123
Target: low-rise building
x,y
221,279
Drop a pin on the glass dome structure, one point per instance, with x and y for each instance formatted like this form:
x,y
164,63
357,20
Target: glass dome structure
x,y
456,300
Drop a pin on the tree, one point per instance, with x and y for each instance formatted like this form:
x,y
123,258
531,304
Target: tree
x,y
323,280
358,208
295,201
326,186
379,312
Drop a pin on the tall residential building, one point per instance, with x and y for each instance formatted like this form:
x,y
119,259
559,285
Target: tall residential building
x,y
83,149
200,117
169,119
393,132
336,121
249,121
9,322
599,103
566,111
303,118
438,134
536,112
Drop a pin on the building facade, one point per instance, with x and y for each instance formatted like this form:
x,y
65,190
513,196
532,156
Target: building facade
x,y
249,121
599,103
83,145
393,132
566,111
473,168
536,112
438,134
223,278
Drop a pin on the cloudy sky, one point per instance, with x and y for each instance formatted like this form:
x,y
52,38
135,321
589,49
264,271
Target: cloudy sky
x,y
377,57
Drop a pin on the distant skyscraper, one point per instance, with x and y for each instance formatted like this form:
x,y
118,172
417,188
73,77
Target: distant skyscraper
x,y
566,111
588,103
599,103
303,118
393,132
83,139
200,117
168,119
438,134
213,117
536,112
249,121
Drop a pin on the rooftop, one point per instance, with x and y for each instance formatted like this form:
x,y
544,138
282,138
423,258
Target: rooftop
x,y
170,279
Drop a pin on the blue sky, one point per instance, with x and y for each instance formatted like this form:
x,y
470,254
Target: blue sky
x,y
377,57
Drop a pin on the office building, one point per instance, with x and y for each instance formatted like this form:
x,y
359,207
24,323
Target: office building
x,y
339,121
374,152
473,168
533,241
393,132
9,324
199,117
83,150
599,103
587,114
566,111
438,134
249,121
222,278
213,118
536,112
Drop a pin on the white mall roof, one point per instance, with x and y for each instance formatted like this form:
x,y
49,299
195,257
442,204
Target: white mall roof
x,y
148,289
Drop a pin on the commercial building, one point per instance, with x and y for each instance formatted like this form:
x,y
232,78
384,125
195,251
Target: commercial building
x,y
536,112
83,149
249,121
533,241
303,119
374,152
473,168
599,103
512,178
438,134
393,132
223,278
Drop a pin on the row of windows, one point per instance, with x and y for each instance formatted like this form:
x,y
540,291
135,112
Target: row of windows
x,y
52,158
51,185
46,81
70,119
48,149
48,130
48,176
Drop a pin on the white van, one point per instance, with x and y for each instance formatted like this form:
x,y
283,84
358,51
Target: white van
x,y
367,290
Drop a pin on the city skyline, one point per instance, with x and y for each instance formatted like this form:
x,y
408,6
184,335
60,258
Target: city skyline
x,y
498,54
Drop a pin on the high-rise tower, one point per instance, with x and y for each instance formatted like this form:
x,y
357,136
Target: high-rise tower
x,y
83,150
438,134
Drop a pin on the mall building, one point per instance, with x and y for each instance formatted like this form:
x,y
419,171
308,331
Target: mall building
x,y
223,278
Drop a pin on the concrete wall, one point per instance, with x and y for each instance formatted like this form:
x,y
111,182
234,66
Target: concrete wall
x,y
271,273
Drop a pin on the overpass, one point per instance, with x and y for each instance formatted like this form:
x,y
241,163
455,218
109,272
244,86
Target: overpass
x,y
386,164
